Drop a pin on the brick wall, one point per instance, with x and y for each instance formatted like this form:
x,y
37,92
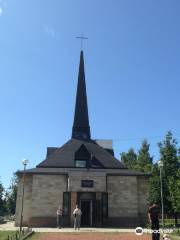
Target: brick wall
x,y
47,194
143,194
42,195
127,197
127,200
122,196
28,179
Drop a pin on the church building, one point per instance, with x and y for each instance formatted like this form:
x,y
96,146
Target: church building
x,y
83,171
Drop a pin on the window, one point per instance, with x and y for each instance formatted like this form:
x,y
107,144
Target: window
x,y
80,163
82,157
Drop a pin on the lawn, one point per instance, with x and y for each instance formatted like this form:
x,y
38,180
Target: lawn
x,y
175,237
4,234
13,234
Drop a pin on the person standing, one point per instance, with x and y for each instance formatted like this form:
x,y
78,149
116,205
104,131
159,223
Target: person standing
x,y
59,217
77,217
153,215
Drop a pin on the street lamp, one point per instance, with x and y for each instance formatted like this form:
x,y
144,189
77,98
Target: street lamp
x,y
24,162
160,164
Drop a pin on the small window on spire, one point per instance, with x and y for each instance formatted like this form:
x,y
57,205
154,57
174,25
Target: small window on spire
x,y
82,157
80,163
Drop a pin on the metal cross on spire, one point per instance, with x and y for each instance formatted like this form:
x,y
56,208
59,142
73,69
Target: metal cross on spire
x,y
82,39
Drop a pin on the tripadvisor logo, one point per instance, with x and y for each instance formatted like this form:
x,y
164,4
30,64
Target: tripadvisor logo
x,y
139,231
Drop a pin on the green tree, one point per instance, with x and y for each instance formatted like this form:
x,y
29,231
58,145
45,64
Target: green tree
x,y
129,159
154,185
2,200
144,160
140,162
11,195
174,191
169,155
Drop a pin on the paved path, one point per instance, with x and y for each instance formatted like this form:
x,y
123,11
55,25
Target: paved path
x,y
10,227
90,230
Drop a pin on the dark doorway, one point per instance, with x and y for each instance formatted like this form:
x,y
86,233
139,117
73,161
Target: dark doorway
x,y
86,208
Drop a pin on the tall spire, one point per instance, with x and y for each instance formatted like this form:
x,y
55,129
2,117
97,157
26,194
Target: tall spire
x,y
81,129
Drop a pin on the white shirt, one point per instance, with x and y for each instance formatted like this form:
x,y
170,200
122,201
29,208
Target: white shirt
x,y
59,212
77,211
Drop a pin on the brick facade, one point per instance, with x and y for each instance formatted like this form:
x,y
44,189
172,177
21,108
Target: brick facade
x,y
127,197
42,195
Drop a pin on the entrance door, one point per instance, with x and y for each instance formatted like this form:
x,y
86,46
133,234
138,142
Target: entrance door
x,y
86,208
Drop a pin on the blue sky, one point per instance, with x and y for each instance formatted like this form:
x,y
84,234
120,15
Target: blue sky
x,y
132,60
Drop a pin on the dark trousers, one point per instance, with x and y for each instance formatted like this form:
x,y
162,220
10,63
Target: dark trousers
x,y
59,221
155,227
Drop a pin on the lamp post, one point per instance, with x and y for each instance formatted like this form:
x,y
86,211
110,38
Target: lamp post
x,y
24,162
160,164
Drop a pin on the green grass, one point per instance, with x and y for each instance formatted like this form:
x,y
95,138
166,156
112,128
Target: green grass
x,y
4,234
168,222
175,237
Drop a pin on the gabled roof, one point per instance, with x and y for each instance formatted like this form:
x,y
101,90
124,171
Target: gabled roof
x,y
65,156
66,171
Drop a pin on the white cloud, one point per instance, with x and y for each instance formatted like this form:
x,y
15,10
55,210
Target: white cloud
x,y
1,11
49,31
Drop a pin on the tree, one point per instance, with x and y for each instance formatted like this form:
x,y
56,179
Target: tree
x,y
154,182
139,162
2,200
129,159
169,155
174,191
144,160
11,195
